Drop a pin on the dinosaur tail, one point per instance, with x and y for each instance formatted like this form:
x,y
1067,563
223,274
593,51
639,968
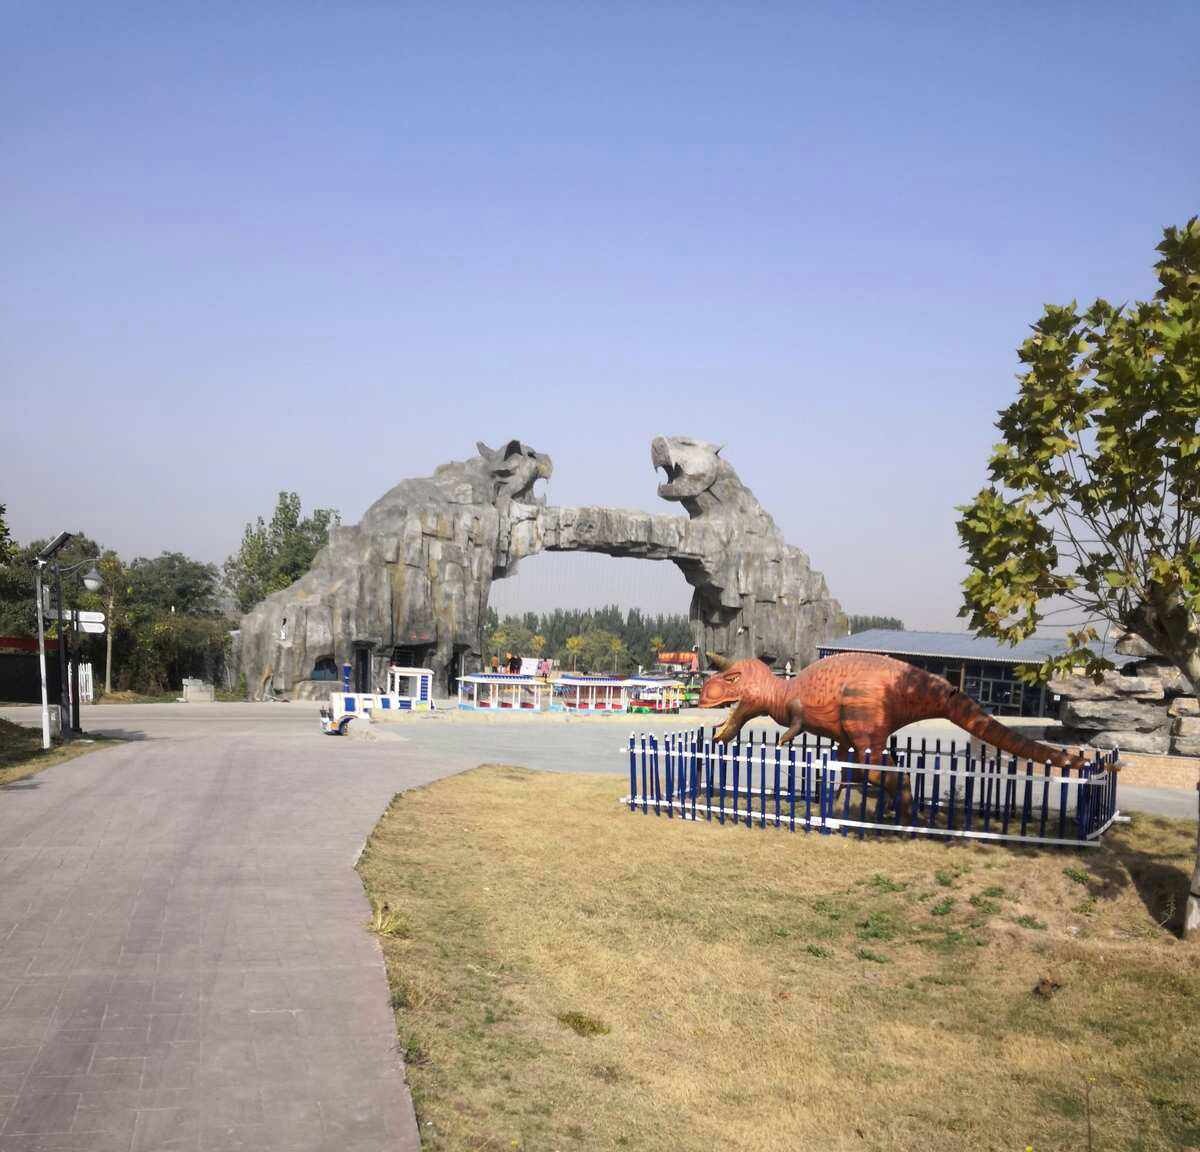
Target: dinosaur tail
x,y
963,711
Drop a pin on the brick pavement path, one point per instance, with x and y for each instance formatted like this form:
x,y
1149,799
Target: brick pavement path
x,y
183,956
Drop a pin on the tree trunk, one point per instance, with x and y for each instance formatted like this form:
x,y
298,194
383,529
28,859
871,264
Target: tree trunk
x,y
1172,629
1191,916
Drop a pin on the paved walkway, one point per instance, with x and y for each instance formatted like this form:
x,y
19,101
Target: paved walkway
x,y
183,958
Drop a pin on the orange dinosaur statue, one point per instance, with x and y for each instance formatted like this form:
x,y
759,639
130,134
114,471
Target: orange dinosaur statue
x,y
858,700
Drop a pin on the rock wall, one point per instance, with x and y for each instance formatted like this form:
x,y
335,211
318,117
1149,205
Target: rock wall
x,y
1148,706
416,573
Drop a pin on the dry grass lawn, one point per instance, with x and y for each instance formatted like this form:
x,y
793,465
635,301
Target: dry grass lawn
x,y
567,975
21,753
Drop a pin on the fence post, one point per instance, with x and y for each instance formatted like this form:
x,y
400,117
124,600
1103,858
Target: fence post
x,y
762,784
645,804
823,793
719,750
632,774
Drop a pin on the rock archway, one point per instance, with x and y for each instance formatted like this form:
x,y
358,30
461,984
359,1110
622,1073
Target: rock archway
x,y
415,574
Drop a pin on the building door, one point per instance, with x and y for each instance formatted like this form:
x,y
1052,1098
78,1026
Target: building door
x,y
362,668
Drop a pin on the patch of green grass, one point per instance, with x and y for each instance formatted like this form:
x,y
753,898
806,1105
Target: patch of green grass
x,y
882,883
1086,906
818,951
942,907
879,925
984,905
386,921
945,877
995,892
871,957
1033,922
582,1024
1077,875
21,753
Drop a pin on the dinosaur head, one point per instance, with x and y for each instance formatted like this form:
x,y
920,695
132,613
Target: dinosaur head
x,y
736,680
515,468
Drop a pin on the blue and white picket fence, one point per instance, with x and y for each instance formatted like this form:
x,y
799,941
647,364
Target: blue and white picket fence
x,y
958,789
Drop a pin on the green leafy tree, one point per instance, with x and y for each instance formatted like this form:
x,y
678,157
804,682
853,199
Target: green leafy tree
x,y
573,645
1094,501
273,556
170,583
6,542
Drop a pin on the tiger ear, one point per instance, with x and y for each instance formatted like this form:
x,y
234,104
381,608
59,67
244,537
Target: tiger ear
x,y
719,662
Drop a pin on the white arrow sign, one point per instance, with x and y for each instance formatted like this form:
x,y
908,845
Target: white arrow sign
x,y
90,626
89,617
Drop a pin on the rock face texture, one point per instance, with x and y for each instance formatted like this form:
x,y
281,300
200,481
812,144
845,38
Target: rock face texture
x,y
1146,707
411,581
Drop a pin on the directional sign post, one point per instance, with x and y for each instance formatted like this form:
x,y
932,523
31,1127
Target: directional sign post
x,y
91,626
88,617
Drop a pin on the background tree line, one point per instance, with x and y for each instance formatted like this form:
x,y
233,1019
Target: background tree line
x,y
607,639
169,616
595,640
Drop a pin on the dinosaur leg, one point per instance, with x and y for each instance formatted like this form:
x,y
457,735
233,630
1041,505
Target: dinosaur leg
x,y
796,716
894,784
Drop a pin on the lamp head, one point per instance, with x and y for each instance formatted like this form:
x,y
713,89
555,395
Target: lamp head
x,y
92,580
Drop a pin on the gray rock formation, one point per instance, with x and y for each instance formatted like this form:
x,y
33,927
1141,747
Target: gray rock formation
x,y
411,581
1146,707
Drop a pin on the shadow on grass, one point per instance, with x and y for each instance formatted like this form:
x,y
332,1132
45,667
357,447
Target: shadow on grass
x,y
1160,878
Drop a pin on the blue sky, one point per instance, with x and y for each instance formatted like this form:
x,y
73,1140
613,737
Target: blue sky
x,y
325,247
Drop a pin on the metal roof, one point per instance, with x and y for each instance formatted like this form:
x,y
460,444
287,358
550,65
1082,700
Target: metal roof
x,y
955,646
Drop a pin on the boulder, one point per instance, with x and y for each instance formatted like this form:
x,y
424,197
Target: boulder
x,y
1184,706
1112,684
1174,682
1187,726
1157,743
1126,715
1186,745
1131,644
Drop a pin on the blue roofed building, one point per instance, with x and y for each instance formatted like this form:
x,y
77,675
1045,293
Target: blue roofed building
x,y
985,669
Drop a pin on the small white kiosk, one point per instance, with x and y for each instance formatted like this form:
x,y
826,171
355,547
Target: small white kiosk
x,y
409,690
503,691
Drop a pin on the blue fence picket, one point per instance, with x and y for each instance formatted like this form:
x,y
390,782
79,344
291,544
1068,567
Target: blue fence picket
x,y
645,791
709,770
632,773
762,785
969,792
654,770
778,765
937,780
1027,799
669,775
824,792
950,800
720,750
1045,798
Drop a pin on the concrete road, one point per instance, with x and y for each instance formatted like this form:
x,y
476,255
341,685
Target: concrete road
x,y
183,955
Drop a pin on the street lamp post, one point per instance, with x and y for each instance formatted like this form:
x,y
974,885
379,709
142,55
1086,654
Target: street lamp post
x,y
68,700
